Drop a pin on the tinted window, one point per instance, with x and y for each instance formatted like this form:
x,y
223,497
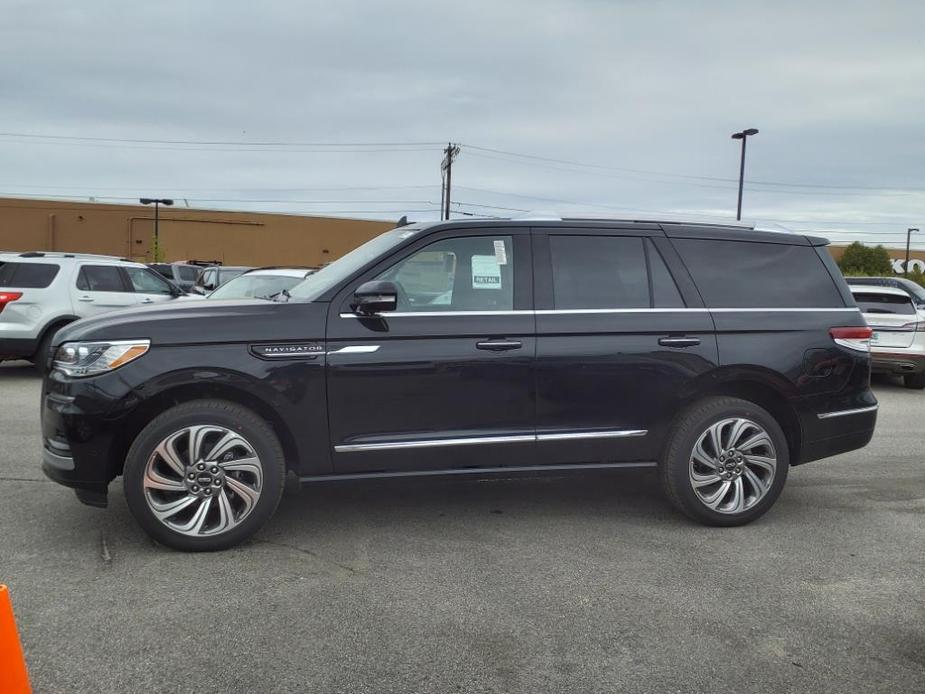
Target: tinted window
x,y
473,273
884,303
164,270
189,273
27,275
665,292
146,282
742,274
100,278
599,272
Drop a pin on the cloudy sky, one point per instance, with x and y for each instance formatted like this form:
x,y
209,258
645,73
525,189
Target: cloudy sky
x,y
601,107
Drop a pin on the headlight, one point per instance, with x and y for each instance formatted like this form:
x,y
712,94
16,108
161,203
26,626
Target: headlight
x,y
90,358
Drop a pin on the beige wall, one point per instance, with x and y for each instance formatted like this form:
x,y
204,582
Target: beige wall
x,y
244,238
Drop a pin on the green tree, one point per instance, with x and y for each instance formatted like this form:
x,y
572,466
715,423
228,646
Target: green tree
x,y
859,259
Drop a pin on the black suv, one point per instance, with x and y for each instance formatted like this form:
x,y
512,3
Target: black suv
x,y
721,355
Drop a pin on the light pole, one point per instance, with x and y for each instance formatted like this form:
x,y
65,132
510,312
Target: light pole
x,y
744,135
909,233
156,202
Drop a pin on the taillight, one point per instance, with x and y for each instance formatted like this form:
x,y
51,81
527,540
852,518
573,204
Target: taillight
x,y
853,338
7,297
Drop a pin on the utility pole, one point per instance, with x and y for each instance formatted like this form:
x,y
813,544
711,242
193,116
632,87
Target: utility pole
x,y
744,135
157,202
446,168
909,233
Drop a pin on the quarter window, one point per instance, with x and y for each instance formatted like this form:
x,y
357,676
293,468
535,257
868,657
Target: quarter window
x,y
100,278
473,273
748,274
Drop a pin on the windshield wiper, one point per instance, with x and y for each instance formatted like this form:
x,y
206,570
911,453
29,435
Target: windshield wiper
x,y
281,297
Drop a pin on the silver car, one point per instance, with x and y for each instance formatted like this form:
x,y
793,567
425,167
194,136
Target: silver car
x,y
897,344
42,292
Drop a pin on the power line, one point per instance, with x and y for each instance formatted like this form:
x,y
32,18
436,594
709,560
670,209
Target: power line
x,y
685,176
243,143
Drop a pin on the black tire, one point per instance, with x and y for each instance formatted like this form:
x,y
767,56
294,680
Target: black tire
x,y
915,381
676,464
219,413
40,358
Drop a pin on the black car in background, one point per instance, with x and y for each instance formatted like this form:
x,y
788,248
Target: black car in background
x,y
181,274
720,355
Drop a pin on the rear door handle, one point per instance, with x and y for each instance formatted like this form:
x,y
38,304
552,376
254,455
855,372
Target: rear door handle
x,y
679,341
85,298
499,345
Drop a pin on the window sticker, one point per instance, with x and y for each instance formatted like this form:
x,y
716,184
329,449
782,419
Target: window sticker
x,y
486,272
500,252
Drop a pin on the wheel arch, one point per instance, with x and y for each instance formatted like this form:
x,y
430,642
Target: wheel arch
x,y
55,324
186,392
765,388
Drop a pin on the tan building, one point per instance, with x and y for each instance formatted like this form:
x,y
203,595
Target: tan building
x,y
234,238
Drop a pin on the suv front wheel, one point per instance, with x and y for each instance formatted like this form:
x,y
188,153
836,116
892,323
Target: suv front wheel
x,y
726,461
204,475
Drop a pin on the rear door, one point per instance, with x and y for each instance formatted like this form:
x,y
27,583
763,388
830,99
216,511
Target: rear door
x,y
892,317
621,337
446,380
100,288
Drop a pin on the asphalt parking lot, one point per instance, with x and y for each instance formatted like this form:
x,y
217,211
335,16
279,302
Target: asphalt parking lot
x,y
574,584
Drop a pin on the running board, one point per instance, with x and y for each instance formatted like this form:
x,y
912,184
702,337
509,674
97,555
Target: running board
x,y
576,467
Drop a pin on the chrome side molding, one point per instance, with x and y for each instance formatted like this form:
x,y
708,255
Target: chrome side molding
x,y
477,440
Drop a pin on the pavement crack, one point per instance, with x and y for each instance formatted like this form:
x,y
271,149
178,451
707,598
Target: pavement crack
x,y
314,555
22,479
104,551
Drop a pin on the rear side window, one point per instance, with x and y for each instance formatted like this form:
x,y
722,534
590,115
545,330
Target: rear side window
x,y
744,274
100,278
27,275
884,303
601,272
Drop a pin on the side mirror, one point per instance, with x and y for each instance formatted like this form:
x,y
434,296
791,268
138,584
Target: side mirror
x,y
196,289
374,297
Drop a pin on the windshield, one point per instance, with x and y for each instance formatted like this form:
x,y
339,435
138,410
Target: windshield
x,y
254,287
330,275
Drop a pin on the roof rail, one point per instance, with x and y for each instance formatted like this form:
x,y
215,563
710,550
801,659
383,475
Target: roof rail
x,y
64,254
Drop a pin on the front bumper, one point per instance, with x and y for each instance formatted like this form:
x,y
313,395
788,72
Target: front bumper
x,y
897,362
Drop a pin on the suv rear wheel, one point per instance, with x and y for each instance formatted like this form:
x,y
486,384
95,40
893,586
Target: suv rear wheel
x,y
915,381
204,475
726,461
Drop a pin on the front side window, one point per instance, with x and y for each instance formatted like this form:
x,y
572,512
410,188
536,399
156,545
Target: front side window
x,y
144,281
473,273
100,278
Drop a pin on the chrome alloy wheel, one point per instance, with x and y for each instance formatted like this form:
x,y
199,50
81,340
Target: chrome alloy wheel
x,y
732,465
203,480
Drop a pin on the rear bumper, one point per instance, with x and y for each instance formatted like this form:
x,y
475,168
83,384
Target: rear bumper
x,y
846,427
897,362
17,348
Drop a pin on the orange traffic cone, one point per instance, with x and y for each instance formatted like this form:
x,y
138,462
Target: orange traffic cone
x,y
13,676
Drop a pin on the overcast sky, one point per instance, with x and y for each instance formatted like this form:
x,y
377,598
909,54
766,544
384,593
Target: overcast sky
x,y
642,96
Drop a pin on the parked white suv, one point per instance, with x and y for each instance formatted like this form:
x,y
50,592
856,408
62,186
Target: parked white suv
x,y
42,292
897,345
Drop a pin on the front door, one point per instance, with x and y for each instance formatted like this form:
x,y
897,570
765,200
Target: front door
x,y
621,340
150,288
446,380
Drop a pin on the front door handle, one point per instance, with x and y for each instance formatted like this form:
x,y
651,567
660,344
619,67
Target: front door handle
x,y
499,345
679,341
85,298
147,301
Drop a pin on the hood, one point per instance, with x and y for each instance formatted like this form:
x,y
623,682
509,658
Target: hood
x,y
203,322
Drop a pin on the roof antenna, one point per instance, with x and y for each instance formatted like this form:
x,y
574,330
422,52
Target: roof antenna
x,y
403,222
